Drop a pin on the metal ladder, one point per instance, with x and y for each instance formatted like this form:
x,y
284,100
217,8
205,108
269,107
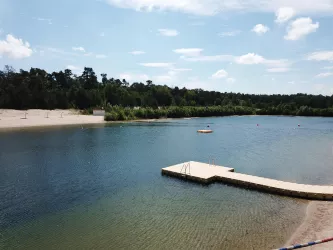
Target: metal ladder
x,y
212,161
186,169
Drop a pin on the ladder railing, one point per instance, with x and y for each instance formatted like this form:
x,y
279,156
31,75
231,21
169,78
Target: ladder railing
x,y
212,161
186,168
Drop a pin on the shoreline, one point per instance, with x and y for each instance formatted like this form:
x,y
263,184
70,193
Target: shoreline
x,y
12,120
15,120
316,225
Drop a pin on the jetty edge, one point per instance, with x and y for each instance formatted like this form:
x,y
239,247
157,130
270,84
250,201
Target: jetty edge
x,y
207,173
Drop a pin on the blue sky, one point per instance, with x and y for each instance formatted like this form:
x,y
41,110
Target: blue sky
x,y
249,46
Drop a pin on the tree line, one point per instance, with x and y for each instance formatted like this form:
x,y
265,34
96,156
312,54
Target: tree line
x,y
37,88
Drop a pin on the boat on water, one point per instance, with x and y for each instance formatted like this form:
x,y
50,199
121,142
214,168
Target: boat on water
x,y
205,131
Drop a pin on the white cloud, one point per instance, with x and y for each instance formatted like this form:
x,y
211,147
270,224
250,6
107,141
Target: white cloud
x,y
171,76
326,74
229,33
260,29
78,49
102,34
212,7
215,58
250,58
291,82
157,65
220,74
328,67
284,14
137,52
1,31
300,28
75,69
131,77
15,48
168,32
189,51
174,72
321,56
231,80
278,70
101,56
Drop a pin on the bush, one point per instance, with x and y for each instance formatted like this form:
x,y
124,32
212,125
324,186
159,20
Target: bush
x,y
88,111
111,116
121,115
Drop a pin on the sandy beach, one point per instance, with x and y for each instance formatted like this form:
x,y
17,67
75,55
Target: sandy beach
x,y
18,119
317,225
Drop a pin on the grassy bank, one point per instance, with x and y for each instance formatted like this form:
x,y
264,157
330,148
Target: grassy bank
x,y
117,113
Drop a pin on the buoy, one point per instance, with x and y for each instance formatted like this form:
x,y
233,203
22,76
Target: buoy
x,y
205,131
208,126
257,125
299,125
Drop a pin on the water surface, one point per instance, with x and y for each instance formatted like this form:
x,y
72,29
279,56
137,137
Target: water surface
x,y
101,188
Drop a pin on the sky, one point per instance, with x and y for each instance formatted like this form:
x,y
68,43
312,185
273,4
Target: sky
x,y
247,46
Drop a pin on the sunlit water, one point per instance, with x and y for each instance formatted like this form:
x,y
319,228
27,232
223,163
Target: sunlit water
x,y
102,188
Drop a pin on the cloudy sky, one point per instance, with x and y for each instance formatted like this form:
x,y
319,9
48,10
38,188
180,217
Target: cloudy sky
x,y
249,46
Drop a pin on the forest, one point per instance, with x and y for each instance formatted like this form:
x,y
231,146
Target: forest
x,y
38,89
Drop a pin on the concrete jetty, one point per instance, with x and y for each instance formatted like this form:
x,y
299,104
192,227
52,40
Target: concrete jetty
x,y
209,173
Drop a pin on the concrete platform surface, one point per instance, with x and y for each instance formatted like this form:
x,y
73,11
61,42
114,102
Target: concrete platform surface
x,y
207,173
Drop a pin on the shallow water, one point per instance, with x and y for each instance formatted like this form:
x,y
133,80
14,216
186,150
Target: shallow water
x,y
102,188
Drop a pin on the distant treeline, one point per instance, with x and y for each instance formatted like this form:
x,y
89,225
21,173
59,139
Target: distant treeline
x,y
37,88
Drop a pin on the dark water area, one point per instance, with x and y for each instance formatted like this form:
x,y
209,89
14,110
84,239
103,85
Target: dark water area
x,y
102,188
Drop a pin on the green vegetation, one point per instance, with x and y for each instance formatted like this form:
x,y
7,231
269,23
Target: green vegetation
x,y
39,89
116,113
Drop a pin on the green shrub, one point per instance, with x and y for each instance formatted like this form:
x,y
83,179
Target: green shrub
x,y
117,113
111,116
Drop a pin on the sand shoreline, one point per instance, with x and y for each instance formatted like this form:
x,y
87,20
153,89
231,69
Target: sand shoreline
x,y
317,225
36,118
14,120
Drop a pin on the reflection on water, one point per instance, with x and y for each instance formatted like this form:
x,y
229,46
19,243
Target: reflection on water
x,y
101,188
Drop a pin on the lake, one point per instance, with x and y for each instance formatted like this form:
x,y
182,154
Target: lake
x,y
102,188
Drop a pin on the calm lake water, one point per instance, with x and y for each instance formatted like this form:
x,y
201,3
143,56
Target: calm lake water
x,y
102,188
